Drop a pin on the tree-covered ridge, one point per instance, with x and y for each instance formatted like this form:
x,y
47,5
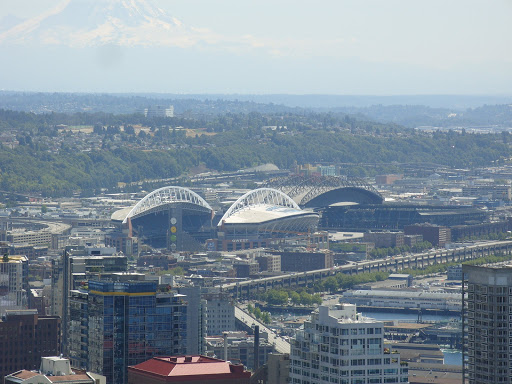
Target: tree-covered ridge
x,y
44,153
25,170
450,149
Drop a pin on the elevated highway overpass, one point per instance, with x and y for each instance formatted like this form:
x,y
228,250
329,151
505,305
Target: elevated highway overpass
x,y
280,344
245,289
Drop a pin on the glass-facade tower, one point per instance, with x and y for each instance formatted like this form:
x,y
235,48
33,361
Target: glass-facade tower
x,y
118,324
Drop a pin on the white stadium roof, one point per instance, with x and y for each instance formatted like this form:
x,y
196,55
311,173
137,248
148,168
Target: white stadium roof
x,y
262,213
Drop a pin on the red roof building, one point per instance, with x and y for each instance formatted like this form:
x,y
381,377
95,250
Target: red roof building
x,y
194,369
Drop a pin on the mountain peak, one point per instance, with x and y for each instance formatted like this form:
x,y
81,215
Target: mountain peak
x,y
82,23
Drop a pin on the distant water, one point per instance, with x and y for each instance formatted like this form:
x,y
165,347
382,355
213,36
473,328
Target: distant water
x,y
407,316
451,356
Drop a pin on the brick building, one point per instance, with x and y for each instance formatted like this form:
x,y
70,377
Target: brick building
x,y
25,337
436,235
304,261
246,269
385,239
269,263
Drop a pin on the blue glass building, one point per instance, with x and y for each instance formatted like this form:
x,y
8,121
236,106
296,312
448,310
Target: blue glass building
x,y
118,324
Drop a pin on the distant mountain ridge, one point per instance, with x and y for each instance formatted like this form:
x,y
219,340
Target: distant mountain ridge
x,y
86,23
410,111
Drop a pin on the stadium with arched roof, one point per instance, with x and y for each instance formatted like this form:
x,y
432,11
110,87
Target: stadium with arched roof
x,y
262,215
322,191
171,217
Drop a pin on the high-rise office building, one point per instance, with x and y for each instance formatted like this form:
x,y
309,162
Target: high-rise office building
x,y
341,346
74,269
13,282
117,324
196,320
487,324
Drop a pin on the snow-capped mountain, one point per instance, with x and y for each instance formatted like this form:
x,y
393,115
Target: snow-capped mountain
x,y
89,23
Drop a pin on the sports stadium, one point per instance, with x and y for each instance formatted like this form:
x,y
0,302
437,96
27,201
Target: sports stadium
x,y
178,219
260,216
172,217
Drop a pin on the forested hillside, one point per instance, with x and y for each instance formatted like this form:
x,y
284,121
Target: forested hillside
x,y
57,154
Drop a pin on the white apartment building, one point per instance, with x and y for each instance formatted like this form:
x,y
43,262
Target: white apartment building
x,y
220,314
341,346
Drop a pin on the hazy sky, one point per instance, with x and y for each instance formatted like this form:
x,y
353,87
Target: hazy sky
x,y
329,46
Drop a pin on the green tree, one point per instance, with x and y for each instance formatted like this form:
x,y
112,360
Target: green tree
x,y
177,271
265,317
306,298
294,297
331,284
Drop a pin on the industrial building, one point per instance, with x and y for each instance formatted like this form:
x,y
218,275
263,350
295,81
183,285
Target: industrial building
x,y
365,217
405,299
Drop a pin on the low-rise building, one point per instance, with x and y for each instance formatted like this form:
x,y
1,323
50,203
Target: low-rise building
x,y
295,261
437,235
246,268
194,369
455,272
54,369
405,299
385,239
240,348
269,263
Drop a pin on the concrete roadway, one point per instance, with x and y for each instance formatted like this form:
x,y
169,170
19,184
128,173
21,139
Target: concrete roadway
x,y
280,344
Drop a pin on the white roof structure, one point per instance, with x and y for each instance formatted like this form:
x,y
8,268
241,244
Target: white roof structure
x,y
260,202
261,213
268,210
158,198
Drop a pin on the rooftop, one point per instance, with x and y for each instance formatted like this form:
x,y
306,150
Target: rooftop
x,y
262,213
24,375
195,365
